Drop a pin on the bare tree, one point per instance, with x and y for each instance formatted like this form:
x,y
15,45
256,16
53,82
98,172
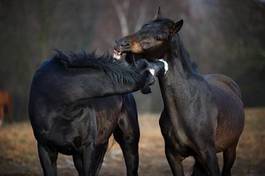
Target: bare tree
x,y
122,13
141,18
122,9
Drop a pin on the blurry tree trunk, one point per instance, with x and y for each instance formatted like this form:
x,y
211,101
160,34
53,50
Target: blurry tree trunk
x,y
45,14
141,18
121,11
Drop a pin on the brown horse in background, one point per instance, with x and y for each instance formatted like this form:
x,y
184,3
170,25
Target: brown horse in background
x,y
5,105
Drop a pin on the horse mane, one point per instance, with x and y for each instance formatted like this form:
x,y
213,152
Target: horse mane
x,y
115,69
187,63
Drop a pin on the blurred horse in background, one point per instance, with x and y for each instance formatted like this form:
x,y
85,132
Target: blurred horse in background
x,y
5,105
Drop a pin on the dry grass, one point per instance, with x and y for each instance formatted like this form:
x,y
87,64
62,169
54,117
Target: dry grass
x,y
17,150
18,154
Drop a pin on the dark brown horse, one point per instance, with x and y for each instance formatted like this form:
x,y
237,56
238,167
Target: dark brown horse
x,y
77,101
5,105
203,114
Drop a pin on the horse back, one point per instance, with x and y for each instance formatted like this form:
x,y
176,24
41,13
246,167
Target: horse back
x,y
223,82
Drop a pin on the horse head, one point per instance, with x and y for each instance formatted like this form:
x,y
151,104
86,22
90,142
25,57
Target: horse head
x,y
152,41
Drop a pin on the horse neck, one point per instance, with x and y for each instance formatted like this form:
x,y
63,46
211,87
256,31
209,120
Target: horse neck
x,y
175,86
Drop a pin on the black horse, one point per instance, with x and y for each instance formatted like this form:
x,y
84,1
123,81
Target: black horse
x,y
203,114
70,115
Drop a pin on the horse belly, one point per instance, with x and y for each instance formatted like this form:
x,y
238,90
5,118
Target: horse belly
x,y
66,139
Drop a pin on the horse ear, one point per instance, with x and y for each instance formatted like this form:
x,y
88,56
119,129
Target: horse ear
x,y
178,25
158,13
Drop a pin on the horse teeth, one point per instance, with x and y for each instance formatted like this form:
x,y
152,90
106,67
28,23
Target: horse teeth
x,y
116,54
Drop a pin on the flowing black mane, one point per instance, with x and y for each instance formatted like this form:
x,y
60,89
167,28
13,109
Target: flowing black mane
x,y
187,63
115,69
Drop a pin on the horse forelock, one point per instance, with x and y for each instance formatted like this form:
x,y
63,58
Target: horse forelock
x,y
114,69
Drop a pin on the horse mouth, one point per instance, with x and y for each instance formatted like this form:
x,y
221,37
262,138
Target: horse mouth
x,y
120,53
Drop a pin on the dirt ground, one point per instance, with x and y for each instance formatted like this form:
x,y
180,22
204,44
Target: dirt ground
x,y
18,156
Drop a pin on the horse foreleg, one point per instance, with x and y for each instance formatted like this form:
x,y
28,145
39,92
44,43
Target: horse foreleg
x,y
88,155
84,160
129,146
100,153
175,161
48,160
78,162
131,156
229,156
198,170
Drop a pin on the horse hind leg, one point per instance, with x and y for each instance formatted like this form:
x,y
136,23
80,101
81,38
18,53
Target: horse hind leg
x,y
48,160
229,156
